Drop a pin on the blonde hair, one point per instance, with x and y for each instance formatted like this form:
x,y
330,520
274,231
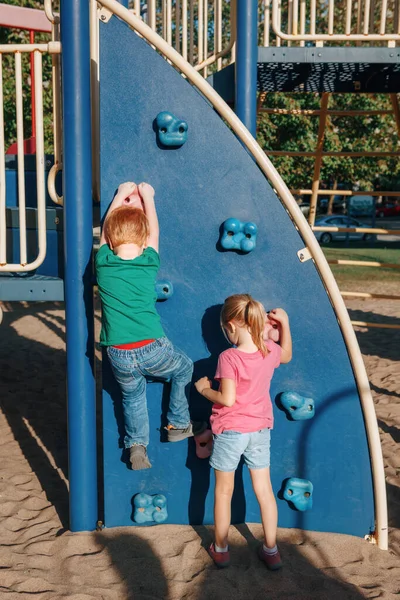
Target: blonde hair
x,y
245,311
126,225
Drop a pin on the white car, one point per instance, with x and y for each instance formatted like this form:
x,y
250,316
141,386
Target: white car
x,y
325,237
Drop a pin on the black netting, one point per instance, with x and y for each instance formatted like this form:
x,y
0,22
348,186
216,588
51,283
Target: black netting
x,y
328,77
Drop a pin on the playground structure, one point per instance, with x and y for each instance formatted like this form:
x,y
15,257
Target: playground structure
x,y
194,55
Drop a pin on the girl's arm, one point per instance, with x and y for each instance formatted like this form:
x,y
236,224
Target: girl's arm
x,y
226,396
281,317
120,198
147,194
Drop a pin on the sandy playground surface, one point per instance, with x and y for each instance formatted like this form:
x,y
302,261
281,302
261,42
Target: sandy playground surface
x,y
39,558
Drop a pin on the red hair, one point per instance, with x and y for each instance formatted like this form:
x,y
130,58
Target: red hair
x,y
126,225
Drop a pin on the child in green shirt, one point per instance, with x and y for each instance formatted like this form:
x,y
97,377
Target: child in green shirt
x,y
126,265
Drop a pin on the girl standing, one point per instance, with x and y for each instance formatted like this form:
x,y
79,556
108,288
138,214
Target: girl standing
x,y
242,416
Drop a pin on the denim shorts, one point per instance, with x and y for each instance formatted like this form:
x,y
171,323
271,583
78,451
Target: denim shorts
x,y
229,447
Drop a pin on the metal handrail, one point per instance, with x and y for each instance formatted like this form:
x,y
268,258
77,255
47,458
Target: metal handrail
x,y
41,194
368,295
376,325
333,29
48,9
57,102
53,48
376,230
49,48
323,192
314,249
364,263
179,19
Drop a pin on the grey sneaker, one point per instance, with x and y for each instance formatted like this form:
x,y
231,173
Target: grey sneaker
x,y
138,457
177,435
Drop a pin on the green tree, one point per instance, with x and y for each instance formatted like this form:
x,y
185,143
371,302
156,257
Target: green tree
x,y
376,133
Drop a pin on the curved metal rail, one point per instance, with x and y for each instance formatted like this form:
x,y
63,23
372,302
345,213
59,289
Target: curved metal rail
x,y
378,475
301,17
37,49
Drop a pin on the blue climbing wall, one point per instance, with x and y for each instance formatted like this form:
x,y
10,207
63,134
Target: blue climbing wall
x,y
198,186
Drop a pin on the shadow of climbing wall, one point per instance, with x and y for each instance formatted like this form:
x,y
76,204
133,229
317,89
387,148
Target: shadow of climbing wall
x,y
199,184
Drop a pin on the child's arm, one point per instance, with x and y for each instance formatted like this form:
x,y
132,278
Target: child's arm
x,y
226,396
120,198
281,317
147,194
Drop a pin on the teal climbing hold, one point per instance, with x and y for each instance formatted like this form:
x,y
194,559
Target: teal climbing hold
x,y
236,235
150,509
296,406
164,289
298,493
171,131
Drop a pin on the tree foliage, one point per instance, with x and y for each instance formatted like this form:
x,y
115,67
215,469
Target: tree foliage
x,y
275,132
375,133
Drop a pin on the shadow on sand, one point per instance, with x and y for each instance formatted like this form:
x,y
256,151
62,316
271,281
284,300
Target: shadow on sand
x,y
180,570
32,388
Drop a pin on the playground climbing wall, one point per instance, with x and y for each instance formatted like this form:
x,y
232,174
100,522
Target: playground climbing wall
x,y
200,183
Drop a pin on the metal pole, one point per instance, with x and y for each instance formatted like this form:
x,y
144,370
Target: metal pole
x,y
318,157
77,183
246,64
396,111
32,67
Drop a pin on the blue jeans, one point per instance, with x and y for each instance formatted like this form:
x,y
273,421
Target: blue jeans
x,y
159,360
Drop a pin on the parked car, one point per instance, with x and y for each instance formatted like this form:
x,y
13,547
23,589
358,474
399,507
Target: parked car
x,y
325,237
390,209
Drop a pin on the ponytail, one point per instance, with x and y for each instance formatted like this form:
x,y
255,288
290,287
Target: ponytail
x,y
255,320
246,311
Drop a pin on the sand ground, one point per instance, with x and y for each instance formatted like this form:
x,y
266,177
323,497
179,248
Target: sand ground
x,y
40,558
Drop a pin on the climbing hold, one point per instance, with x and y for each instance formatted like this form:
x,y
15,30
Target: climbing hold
x,y
236,235
297,407
204,444
171,131
298,492
271,331
148,509
164,289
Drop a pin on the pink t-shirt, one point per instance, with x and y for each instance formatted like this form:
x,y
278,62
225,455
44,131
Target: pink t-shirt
x,y
252,374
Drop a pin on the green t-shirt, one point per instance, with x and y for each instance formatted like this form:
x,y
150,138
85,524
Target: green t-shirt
x,y
128,297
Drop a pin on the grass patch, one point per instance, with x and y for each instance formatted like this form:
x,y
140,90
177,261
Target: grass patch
x,y
348,274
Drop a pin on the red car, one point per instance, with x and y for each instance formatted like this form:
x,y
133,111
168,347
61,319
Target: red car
x,y
388,210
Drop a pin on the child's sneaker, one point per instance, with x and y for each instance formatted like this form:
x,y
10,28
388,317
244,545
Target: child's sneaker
x,y
138,457
177,435
221,559
272,561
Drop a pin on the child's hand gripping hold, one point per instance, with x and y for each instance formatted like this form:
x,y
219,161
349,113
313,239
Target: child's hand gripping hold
x,y
129,195
146,191
280,316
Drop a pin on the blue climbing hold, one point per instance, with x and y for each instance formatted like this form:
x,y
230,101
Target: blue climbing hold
x,y
297,407
298,492
164,289
237,235
171,131
150,509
